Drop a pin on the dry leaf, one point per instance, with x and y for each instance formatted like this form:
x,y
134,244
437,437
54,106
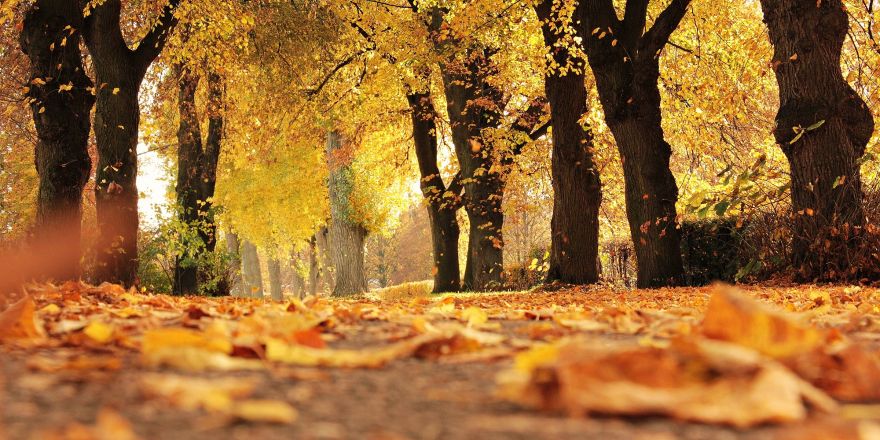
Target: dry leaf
x,y
266,411
699,380
19,321
734,317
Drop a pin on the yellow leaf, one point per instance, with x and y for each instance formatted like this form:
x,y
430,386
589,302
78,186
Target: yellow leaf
x,y
267,411
51,309
99,332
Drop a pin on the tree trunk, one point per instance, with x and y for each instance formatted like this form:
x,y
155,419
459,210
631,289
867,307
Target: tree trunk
x,y
314,268
252,275
441,205
119,71
625,63
346,235
196,175
574,248
61,100
275,279
473,105
233,248
822,127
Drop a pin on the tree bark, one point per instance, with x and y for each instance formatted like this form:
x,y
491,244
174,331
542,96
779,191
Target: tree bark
x,y
275,279
252,275
441,202
624,59
233,247
346,235
473,104
574,248
196,174
314,268
59,93
119,71
822,126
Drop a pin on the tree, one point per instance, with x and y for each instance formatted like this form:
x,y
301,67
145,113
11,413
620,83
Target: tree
x,y
233,248
60,97
822,126
346,234
442,201
197,170
624,59
119,72
275,287
577,189
252,275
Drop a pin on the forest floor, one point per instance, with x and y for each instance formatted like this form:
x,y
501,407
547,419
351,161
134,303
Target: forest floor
x,y
84,362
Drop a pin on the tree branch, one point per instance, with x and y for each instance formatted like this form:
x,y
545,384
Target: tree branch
x,y
657,37
634,22
151,45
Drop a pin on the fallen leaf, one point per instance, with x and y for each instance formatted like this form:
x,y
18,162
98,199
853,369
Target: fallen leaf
x,y
696,380
19,321
734,317
265,411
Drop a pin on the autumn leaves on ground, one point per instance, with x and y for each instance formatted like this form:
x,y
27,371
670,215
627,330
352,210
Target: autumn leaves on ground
x,y
766,362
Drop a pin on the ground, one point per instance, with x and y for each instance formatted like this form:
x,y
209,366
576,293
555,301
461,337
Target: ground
x,y
99,362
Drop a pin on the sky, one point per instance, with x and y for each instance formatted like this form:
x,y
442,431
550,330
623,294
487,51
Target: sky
x,y
152,184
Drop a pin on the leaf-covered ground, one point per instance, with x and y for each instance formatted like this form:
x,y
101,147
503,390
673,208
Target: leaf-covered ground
x,y
83,362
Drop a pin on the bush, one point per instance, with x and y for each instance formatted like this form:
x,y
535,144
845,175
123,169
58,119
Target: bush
x,y
171,241
712,250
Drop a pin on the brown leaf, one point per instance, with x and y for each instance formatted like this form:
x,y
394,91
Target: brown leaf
x,y
734,317
698,380
19,321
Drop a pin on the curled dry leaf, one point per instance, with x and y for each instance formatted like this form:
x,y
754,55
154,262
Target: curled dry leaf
x,y
696,380
734,317
846,371
19,321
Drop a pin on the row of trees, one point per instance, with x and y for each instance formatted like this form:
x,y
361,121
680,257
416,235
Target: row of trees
x,y
347,59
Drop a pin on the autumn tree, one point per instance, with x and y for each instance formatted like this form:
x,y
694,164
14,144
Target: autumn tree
x,y
197,161
822,126
624,57
60,95
576,185
346,234
442,201
119,72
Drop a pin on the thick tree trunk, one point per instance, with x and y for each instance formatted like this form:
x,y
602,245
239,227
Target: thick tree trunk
x,y
61,100
233,247
196,174
822,127
275,279
625,63
574,249
119,71
346,235
442,206
473,105
252,275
